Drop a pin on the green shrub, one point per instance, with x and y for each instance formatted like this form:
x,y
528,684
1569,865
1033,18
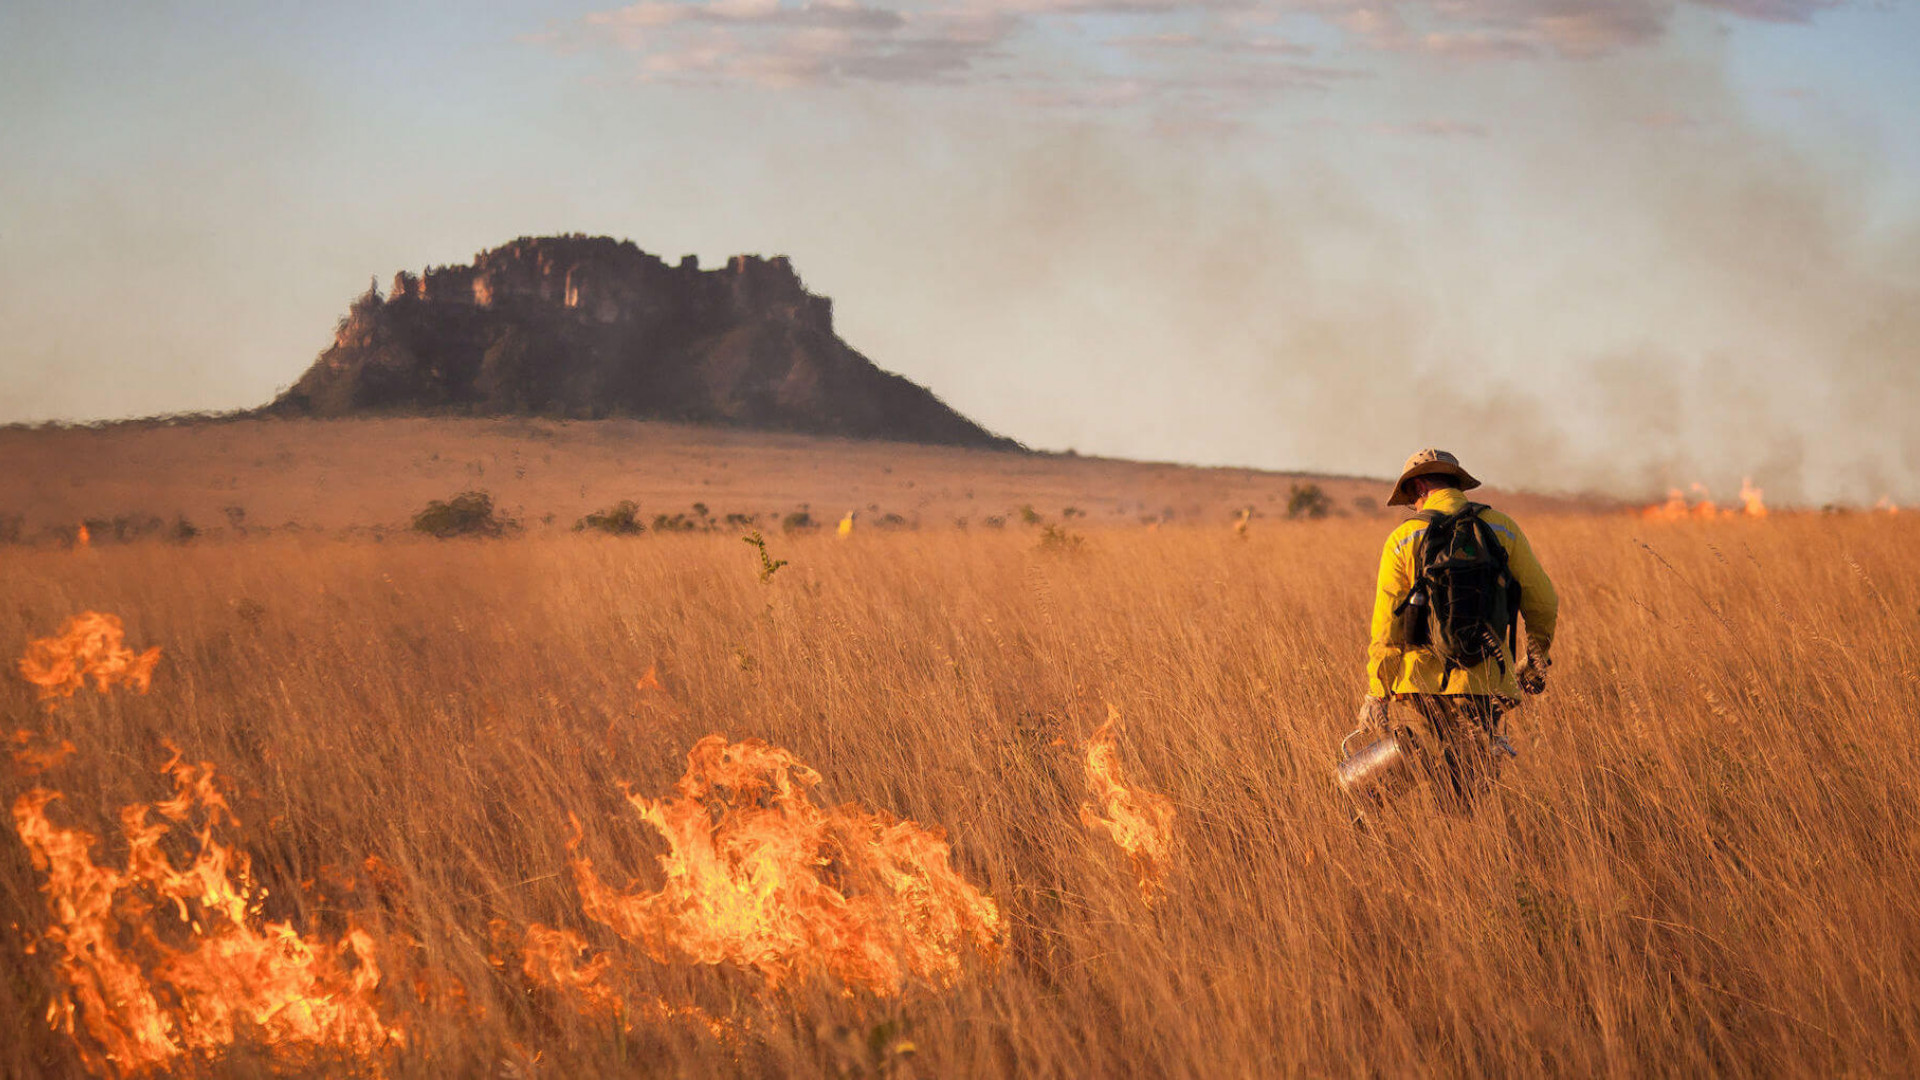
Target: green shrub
x,y
1308,501
620,519
1054,538
469,513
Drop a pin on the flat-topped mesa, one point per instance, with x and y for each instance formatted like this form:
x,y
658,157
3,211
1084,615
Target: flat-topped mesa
x,y
607,280
592,326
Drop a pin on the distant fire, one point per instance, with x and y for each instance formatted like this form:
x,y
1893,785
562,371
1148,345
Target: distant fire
x,y
145,983
1886,505
89,646
759,876
1694,505
1140,821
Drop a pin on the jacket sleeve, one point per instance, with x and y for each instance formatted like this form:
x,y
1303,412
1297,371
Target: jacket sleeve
x,y
1539,603
1386,645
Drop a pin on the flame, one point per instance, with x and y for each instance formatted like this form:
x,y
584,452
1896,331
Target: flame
x,y
82,539
90,644
1678,508
553,958
31,760
759,876
1886,505
1140,821
845,528
132,1001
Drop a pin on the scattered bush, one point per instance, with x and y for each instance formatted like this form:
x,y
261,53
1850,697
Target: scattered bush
x,y
182,530
620,519
469,513
994,521
1054,538
798,521
674,523
1308,501
1029,516
123,528
891,521
1366,504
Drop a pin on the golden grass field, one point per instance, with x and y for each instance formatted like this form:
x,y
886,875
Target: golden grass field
x,y
1704,861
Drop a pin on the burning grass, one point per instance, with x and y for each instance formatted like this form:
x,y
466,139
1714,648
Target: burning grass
x,y
1703,861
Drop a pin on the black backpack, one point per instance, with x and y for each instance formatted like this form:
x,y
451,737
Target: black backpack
x,y
1464,599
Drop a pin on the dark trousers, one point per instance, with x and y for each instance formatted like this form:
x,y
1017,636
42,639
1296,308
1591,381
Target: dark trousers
x,y
1449,737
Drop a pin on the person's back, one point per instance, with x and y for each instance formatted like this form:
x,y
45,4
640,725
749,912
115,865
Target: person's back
x,y
1444,631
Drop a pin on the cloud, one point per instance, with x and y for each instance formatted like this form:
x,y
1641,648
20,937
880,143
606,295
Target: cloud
x,y
1185,42
1508,29
1440,129
1785,11
1124,51
764,13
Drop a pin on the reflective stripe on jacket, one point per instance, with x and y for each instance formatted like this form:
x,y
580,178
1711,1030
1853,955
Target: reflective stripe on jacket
x,y
1394,668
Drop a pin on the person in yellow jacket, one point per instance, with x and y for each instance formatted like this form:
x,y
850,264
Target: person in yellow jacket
x,y
1451,726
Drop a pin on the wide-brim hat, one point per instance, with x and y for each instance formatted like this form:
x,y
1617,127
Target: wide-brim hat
x,y
1429,462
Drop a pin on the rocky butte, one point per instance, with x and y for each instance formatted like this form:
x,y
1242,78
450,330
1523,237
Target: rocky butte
x,y
591,326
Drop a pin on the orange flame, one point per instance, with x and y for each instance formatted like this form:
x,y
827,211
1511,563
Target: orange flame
x,y
1886,505
767,880
89,645
558,960
82,539
132,1001
551,958
1678,508
1140,821
31,760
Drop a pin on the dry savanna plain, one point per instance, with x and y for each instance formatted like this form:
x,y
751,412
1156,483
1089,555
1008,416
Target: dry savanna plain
x,y
1046,795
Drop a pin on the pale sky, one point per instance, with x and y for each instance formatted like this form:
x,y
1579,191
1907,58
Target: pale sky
x,y
1607,244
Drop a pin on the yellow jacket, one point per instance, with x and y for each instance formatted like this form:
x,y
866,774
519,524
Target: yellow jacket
x,y
1395,668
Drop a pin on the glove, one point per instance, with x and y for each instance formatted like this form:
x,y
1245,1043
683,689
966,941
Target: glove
x,y
1373,714
1532,676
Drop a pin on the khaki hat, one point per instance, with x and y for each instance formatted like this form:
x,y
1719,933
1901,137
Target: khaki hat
x,y
1427,463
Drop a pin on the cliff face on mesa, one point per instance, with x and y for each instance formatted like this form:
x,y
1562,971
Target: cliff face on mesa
x,y
590,327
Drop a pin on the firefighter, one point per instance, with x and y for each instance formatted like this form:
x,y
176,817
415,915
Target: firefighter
x,y
1456,581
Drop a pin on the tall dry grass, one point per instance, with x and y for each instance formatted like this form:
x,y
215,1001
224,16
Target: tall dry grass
x,y
1704,861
